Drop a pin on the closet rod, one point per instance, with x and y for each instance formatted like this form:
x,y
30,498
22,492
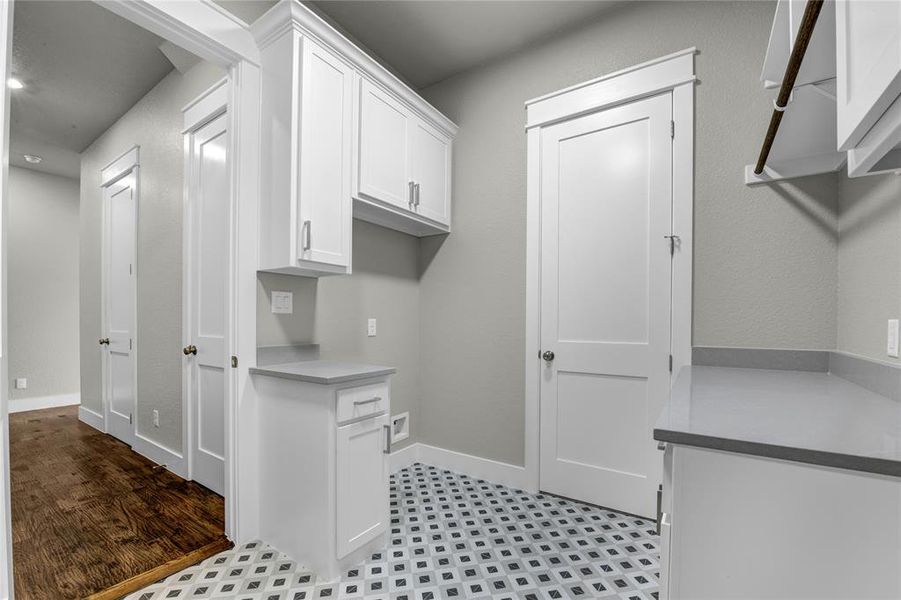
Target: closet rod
x,y
811,12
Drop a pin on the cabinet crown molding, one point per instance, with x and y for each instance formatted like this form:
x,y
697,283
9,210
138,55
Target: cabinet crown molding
x,y
292,15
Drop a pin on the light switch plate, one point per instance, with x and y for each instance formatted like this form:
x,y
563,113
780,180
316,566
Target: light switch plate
x,y
282,303
892,345
370,328
21,383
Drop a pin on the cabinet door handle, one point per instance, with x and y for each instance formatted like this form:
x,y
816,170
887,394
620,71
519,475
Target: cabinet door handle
x,y
387,449
411,192
370,401
308,235
416,196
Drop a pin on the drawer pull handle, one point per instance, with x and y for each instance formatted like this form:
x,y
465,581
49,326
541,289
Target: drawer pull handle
x,y
387,429
370,401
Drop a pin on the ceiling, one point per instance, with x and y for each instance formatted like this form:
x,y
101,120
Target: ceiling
x,y
83,67
428,41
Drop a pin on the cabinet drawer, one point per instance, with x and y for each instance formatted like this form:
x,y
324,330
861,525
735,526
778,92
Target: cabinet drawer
x,y
363,401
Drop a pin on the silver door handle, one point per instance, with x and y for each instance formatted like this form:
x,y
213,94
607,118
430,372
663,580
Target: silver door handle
x,y
387,429
308,238
370,401
416,195
411,193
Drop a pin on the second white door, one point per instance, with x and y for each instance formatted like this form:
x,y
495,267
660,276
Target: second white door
x,y
606,209
207,284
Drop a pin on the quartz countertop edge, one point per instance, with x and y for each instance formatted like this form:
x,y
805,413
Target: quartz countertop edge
x,y
813,418
324,372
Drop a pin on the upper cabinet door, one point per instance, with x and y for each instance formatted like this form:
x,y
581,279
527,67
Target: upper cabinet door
x,y
868,64
326,152
430,153
384,126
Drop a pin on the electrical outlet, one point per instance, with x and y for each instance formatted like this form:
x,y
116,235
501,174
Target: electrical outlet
x,y
21,383
892,345
282,303
156,418
370,328
400,427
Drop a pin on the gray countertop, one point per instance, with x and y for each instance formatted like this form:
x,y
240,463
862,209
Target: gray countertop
x,y
325,372
808,417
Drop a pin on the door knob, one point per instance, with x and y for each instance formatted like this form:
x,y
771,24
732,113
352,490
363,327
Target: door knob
x,y
190,349
104,341
548,355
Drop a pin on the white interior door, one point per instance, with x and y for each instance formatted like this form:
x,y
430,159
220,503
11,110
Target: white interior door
x,y
207,280
119,384
606,207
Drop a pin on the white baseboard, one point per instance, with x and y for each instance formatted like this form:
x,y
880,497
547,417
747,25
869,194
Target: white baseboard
x,y
480,468
40,402
161,455
403,458
92,418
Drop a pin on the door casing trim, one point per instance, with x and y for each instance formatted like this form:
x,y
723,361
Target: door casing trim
x,y
673,73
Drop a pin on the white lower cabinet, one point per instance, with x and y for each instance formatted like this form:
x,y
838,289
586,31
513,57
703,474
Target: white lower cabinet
x,y
323,472
740,526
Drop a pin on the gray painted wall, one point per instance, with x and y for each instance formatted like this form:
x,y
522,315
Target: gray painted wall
x,y
869,263
765,257
333,311
43,283
155,124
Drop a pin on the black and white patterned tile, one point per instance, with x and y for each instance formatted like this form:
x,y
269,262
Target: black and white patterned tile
x,y
454,537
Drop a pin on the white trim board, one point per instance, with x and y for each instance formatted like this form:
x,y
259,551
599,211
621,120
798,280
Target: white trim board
x,y
512,476
161,455
672,74
92,418
41,402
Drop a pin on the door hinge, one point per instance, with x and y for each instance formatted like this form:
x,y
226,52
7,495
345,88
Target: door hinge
x,y
670,363
672,129
234,362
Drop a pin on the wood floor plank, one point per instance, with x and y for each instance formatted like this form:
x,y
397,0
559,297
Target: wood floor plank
x,y
89,513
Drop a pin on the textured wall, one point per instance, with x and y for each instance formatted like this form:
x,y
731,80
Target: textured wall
x,y
43,283
869,263
332,311
155,124
765,257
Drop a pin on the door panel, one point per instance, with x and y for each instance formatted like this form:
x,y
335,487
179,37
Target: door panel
x,y
606,198
383,147
362,486
119,387
430,154
208,218
325,156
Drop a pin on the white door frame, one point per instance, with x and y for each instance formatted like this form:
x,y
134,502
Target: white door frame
x,y
204,108
672,73
126,163
214,34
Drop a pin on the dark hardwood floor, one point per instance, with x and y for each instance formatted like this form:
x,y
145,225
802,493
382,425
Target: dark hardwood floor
x,y
88,512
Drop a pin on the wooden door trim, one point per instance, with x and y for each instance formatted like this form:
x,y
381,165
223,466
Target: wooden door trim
x,y
673,73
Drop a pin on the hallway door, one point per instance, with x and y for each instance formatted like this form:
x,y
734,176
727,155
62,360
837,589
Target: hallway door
x,y
606,212
207,293
119,384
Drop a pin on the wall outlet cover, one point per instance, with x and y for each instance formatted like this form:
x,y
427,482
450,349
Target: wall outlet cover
x,y
156,418
282,302
21,383
370,328
400,427
892,345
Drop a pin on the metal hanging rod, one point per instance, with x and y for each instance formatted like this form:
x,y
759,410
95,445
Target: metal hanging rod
x,y
805,32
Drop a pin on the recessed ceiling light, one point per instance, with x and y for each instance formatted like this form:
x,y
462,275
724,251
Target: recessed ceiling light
x,y
32,158
14,84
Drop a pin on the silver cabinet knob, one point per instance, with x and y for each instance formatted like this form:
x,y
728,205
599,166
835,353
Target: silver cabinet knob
x,y
548,355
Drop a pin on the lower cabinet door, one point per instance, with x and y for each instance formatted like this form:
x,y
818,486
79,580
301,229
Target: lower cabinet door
x,y
362,483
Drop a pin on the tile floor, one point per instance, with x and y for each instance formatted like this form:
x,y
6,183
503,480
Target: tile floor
x,y
454,537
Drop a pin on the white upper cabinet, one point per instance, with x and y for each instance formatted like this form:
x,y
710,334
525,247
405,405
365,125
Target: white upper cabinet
x,y
306,153
383,171
341,138
868,54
